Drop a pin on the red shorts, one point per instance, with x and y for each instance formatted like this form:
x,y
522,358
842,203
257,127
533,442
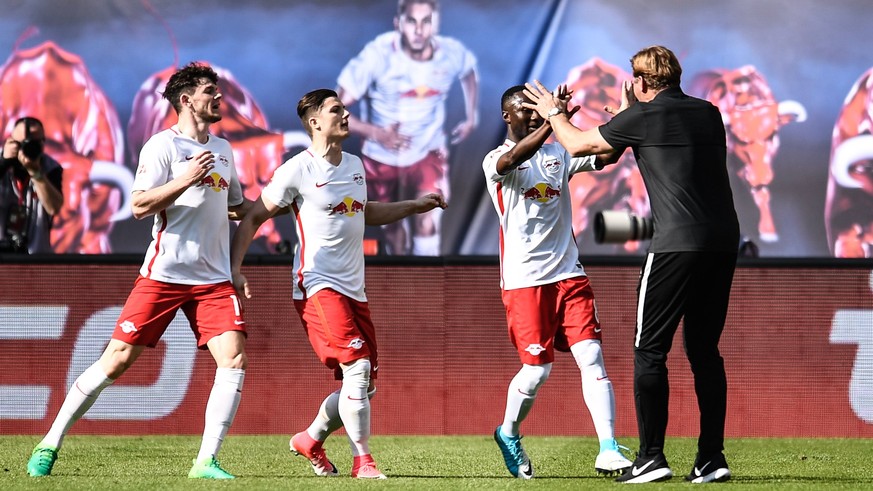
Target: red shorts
x,y
388,183
151,306
544,318
339,329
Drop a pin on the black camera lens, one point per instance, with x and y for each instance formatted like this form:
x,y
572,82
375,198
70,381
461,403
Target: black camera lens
x,y
32,149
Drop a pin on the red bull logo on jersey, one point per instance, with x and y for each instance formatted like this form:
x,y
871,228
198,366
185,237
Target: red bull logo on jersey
x,y
421,92
541,192
348,207
215,182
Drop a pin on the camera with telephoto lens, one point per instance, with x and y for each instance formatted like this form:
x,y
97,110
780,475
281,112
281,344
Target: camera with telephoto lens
x,y
31,148
616,227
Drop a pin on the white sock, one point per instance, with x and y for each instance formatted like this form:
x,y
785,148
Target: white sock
x,y
521,394
429,245
328,418
354,405
80,398
221,409
596,387
426,246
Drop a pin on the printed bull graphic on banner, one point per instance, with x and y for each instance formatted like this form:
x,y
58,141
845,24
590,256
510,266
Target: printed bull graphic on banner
x,y
752,119
82,133
596,84
849,206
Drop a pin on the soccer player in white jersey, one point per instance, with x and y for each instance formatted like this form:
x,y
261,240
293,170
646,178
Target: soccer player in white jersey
x,y
187,180
549,301
402,79
326,190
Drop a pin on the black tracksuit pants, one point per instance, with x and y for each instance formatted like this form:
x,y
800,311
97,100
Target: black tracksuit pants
x,y
694,286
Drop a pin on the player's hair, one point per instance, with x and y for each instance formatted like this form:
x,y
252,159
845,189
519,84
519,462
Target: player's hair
x,y
658,66
402,5
312,102
186,80
508,95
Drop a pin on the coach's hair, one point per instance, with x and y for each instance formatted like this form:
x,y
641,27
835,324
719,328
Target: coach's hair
x,y
312,102
658,66
186,80
402,5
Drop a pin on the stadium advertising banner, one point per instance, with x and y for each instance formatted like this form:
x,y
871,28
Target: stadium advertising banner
x,y
792,79
798,348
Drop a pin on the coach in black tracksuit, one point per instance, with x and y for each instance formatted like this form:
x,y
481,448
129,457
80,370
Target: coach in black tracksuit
x,y
679,145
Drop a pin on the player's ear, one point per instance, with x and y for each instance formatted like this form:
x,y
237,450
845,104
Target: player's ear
x,y
505,115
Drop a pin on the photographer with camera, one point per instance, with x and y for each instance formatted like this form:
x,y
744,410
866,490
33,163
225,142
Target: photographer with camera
x,y
680,146
30,190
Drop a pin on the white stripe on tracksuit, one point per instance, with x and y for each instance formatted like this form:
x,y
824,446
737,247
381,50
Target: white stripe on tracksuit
x,y
642,297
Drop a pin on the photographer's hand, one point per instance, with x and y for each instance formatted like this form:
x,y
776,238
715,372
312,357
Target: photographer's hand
x,y
10,149
32,166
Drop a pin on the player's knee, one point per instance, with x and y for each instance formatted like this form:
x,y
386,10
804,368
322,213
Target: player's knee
x,y
231,359
118,357
587,353
357,372
532,377
240,361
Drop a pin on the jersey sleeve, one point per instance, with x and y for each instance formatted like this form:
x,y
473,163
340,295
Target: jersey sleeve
x,y
284,187
54,173
489,164
154,164
581,164
468,61
234,192
356,77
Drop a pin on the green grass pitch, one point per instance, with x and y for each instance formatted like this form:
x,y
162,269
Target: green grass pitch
x,y
427,463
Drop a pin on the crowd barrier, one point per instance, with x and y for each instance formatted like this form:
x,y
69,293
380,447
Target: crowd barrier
x,y
798,347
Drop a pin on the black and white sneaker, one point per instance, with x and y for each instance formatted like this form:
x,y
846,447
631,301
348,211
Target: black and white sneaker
x,y
712,468
646,469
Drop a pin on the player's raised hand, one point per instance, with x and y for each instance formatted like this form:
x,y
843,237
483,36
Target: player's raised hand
x,y
543,100
429,202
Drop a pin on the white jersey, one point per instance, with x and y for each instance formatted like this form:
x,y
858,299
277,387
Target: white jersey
x,y
537,245
393,88
190,238
328,202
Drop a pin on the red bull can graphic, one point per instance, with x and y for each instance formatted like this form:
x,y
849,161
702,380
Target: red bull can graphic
x,y
348,207
541,192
